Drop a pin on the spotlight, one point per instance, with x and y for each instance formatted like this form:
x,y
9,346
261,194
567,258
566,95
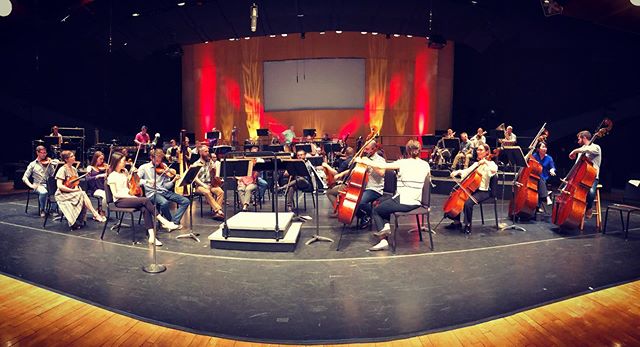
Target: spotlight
x,y
182,3
300,15
246,37
635,2
363,32
253,13
396,35
338,31
374,33
409,36
322,33
135,14
272,35
5,8
283,35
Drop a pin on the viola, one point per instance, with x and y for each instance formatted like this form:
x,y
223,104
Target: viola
x,y
134,179
571,204
355,185
463,191
73,181
525,197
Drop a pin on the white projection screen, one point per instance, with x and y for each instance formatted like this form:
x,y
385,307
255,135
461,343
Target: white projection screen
x,y
331,83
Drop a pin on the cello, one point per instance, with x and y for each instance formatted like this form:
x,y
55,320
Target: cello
x,y
525,197
571,204
349,199
464,190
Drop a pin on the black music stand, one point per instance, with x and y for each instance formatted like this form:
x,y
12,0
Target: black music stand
x,y
262,132
515,157
187,180
430,141
222,150
309,132
306,147
452,143
273,148
317,180
233,168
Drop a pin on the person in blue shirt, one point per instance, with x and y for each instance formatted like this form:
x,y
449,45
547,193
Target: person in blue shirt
x,y
548,169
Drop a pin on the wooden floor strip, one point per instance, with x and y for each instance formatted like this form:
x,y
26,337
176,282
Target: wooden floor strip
x,y
32,316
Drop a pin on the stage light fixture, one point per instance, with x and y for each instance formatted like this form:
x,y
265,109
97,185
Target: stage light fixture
x,y
374,33
253,14
396,35
322,33
283,35
5,8
363,32
552,7
300,15
182,3
272,35
135,14
409,36
338,31
635,2
246,37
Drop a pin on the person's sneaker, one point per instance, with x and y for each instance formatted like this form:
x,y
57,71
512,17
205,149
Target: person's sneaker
x,y
365,222
151,239
453,226
467,229
170,226
386,231
42,214
549,202
383,245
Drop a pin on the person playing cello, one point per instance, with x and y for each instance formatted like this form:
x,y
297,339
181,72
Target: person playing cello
x,y
487,169
594,154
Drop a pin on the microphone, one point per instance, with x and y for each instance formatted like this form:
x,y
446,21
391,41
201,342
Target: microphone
x,y
253,13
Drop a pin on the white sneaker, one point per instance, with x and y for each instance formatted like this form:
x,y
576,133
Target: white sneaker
x,y
171,226
383,245
549,202
158,243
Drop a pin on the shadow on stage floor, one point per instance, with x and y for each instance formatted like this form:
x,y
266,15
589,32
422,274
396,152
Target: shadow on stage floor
x,y
317,293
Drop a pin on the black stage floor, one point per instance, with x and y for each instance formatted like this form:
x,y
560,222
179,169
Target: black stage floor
x,y
316,294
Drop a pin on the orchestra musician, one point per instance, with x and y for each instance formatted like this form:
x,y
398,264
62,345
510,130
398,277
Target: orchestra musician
x,y
548,169
441,153
142,138
54,132
509,137
260,181
487,169
234,136
117,179
374,188
209,169
478,138
159,180
338,175
289,135
465,152
172,151
246,186
411,176
297,183
40,170
71,199
594,154
315,150
96,174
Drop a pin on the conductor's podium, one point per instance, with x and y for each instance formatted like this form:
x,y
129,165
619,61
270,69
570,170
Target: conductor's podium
x,y
256,231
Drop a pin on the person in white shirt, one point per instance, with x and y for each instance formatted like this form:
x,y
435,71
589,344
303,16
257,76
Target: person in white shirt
x,y
487,169
594,154
40,170
510,138
117,179
374,187
411,176
478,139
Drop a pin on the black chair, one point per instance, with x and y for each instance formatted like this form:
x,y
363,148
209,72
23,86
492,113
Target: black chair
x,y
630,204
29,193
111,207
420,211
51,199
493,190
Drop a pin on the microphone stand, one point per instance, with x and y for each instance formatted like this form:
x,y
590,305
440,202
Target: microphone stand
x,y
154,267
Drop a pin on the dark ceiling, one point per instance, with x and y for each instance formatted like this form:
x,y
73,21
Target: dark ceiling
x,y
162,23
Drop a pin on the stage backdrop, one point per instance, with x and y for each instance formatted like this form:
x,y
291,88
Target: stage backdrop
x,y
407,86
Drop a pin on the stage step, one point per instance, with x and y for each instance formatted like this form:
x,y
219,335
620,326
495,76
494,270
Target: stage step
x,y
256,231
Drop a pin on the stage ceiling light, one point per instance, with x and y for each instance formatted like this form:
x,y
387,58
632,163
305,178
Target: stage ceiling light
x,y
182,3
253,14
635,2
135,14
5,8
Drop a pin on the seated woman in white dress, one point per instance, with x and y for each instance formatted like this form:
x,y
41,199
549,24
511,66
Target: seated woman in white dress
x,y
71,199
117,178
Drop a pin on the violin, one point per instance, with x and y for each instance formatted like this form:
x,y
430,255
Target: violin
x,y
72,182
571,204
134,179
163,169
102,168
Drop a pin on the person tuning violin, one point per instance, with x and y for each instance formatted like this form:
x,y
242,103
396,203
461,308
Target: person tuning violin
x,y
487,169
40,170
594,154
96,174
159,180
71,199
117,180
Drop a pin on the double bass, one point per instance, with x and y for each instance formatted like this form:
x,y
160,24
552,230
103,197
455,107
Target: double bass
x,y
571,204
355,186
525,197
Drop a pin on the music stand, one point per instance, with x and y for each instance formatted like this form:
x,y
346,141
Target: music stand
x,y
231,168
315,195
430,140
212,135
187,180
222,150
452,143
515,157
273,148
297,168
309,132
262,132
306,147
